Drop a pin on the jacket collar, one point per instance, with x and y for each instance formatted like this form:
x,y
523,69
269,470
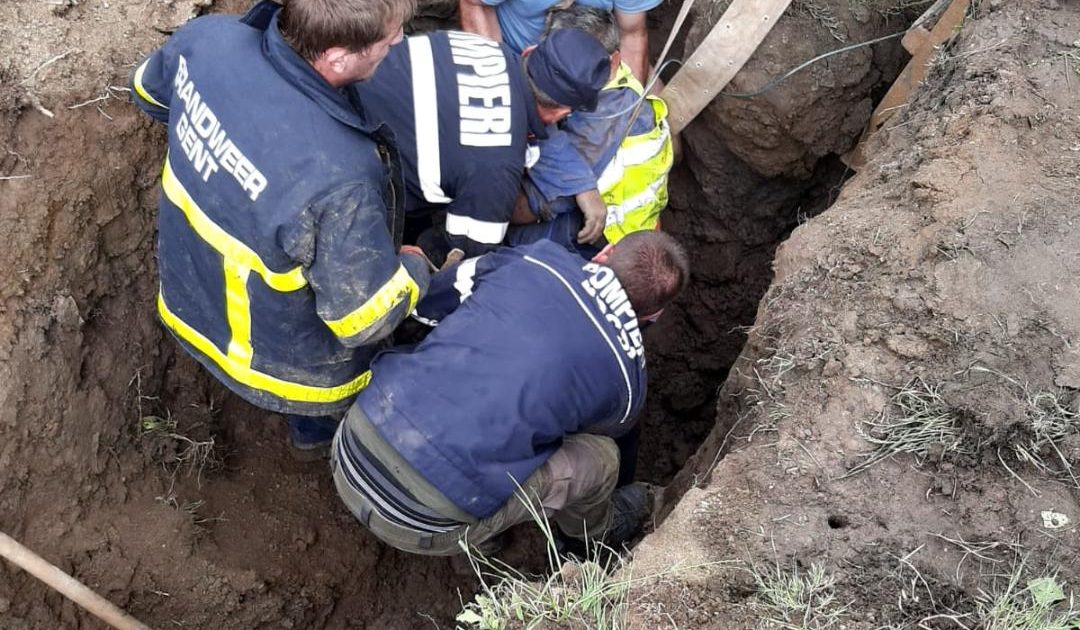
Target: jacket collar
x,y
294,69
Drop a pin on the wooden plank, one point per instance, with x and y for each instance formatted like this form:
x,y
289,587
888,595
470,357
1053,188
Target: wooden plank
x,y
923,48
727,48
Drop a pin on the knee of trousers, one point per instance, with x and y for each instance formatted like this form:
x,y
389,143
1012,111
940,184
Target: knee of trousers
x,y
605,455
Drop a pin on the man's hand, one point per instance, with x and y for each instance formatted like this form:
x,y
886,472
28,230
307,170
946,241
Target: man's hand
x,y
416,251
595,211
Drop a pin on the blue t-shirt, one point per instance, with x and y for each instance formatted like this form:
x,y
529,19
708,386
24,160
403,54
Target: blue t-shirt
x,y
522,21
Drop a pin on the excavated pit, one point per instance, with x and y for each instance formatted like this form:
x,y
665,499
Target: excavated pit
x,y
210,522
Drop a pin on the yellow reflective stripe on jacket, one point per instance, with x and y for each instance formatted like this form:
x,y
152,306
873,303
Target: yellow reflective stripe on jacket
x,y
226,244
238,312
400,286
242,372
141,91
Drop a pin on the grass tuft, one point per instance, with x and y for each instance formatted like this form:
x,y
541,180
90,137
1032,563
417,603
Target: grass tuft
x,y
925,424
1040,605
1050,420
790,600
577,595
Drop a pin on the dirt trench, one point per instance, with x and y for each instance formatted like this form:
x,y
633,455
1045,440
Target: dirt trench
x,y
209,522
938,291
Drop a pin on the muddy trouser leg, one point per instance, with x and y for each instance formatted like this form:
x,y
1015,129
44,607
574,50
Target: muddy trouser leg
x,y
574,487
628,450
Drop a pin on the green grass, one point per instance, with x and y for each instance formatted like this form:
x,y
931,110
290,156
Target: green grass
x,y
788,599
1041,604
922,423
574,594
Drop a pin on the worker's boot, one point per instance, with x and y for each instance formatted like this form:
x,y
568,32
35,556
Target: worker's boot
x,y
631,505
311,436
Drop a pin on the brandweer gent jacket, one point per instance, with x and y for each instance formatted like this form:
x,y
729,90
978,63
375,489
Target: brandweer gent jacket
x,y
536,344
278,270
461,109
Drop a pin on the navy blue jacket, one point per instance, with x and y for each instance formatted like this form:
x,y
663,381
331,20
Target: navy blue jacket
x,y
531,344
278,268
461,109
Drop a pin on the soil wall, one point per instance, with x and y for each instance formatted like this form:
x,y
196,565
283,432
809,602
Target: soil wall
x,y
940,287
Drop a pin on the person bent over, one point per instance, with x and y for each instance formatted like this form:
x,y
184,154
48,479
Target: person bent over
x,y
535,365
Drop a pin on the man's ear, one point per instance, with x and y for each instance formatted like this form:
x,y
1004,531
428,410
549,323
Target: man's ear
x,y
528,51
602,256
616,59
335,58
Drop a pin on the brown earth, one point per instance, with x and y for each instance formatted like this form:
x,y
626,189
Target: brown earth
x,y
877,288
950,258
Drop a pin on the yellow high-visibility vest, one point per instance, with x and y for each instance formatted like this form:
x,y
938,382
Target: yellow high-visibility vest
x,y
634,183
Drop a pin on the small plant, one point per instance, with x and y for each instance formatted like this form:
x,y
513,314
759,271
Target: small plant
x,y
1041,605
1071,58
926,424
1050,421
578,595
792,601
587,594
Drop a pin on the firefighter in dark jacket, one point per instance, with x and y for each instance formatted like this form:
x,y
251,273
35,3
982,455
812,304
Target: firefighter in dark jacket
x,y
463,110
276,253
535,364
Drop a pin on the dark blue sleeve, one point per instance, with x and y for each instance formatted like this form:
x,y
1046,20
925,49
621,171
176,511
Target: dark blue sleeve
x,y
561,170
151,84
484,198
363,288
450,287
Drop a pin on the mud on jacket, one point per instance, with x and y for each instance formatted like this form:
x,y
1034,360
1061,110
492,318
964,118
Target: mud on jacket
x,y
461,109
531,344
277,263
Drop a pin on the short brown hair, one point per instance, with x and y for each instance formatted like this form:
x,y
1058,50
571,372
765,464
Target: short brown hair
x,y
314,26
652,267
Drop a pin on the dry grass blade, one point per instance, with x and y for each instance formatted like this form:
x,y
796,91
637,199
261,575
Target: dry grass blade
x,y
925,424
790,600
1050,421
1040,605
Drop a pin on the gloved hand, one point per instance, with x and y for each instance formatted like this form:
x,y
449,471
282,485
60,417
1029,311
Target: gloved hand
x,y
595,211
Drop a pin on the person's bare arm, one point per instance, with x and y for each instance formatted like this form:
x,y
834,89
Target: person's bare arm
x,y
479,18
633,42
522,213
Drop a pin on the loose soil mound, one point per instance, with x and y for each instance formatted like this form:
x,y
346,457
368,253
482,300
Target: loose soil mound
x,y
939,293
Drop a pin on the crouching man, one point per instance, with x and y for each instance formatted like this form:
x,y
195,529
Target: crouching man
x,y
536,363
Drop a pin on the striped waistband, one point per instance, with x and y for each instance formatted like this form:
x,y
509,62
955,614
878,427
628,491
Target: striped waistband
x,y
391,500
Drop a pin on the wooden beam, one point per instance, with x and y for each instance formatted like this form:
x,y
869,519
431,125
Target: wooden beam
x,y
726,49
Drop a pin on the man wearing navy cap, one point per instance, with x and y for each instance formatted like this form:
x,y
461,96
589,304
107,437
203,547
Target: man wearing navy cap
x,y
463,110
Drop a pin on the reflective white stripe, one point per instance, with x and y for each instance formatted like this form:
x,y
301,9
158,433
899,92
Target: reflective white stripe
x,y
424,320
464,277
487,232
630,156
644,197
356,480
426,117
600,329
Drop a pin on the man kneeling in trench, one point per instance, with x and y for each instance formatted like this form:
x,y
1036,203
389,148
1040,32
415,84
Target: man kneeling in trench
x,y
536,363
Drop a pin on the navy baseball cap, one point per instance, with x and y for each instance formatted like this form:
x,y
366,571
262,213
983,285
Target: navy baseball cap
x,y
571,67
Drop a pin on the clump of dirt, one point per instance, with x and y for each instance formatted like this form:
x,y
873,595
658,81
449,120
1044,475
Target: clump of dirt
x,y
819,111
931,312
